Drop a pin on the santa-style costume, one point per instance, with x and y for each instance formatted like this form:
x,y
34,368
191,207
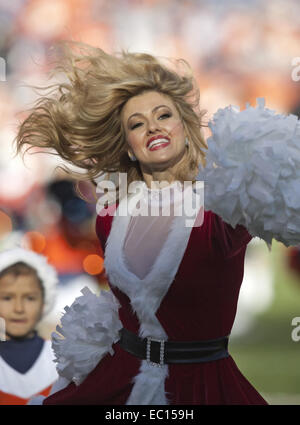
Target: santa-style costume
x,y
27,365
185,287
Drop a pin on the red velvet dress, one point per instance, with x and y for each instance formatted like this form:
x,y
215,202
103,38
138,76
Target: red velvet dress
x,y
199,304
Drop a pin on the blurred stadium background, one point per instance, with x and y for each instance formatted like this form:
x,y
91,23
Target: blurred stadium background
x,y
239,50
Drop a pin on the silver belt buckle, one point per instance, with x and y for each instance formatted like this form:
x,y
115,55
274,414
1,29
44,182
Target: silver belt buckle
x,y
161,352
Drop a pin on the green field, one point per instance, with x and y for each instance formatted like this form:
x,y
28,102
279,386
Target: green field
x,y
267,355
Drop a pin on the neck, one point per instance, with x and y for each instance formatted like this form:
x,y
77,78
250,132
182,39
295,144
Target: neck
x,y
159,178
163,177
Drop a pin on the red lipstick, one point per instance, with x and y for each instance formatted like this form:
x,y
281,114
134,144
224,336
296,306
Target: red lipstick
x,y
159,136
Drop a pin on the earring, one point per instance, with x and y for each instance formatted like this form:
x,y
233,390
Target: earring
x,y
132,157
187,142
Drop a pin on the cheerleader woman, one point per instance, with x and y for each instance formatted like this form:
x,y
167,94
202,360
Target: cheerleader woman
x,y
160,336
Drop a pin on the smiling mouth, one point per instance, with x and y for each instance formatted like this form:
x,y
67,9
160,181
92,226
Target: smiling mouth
x,y
157,143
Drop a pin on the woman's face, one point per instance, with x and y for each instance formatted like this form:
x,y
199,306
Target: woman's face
x,y
21,304
154,131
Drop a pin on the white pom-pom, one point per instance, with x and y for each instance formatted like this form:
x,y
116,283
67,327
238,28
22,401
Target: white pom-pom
x,y
90,327
252,172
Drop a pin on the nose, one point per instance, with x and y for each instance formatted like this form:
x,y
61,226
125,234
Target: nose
x,y
153,127
19,305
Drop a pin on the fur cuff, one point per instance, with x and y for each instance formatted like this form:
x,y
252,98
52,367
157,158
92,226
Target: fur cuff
x,y
90,327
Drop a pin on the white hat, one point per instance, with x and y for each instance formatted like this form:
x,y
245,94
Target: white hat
x,y
44,270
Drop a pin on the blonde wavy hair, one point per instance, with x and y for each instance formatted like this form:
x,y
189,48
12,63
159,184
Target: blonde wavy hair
x,y
80,119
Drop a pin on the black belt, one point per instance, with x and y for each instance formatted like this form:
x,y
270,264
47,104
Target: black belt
x,y
164,352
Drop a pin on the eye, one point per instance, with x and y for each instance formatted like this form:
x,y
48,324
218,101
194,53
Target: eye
x,y
31,298
164,116
6,298
136,125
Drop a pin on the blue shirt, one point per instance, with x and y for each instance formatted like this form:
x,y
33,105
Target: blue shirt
x,y
21,354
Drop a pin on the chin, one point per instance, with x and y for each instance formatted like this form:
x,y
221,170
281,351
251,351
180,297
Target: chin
x,y
18,334
169,161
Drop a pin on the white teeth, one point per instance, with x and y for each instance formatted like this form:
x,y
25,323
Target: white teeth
x,y
157,141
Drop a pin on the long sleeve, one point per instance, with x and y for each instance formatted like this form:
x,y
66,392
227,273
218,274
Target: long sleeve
x,y
226,239
252,172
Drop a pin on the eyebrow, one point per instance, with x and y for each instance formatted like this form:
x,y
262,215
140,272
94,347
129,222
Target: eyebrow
x,y
153,110
3,292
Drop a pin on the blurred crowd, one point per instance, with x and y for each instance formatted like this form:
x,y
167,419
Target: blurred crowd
x,y
238,50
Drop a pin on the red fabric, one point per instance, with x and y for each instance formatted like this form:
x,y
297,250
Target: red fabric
x,y
108,384
293,259
200,304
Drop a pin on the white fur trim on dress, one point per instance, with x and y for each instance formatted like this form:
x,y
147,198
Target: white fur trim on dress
x,y
252,172
44,270
89,328
146,296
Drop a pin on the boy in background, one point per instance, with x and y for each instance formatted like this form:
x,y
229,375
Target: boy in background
x,y
27,293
